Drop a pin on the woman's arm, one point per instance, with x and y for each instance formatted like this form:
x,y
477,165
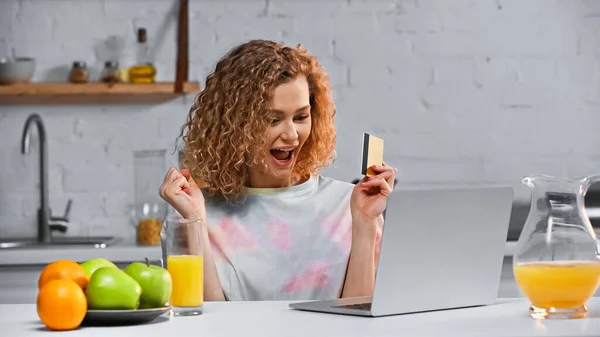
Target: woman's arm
x,y
360,273
183,194
367,204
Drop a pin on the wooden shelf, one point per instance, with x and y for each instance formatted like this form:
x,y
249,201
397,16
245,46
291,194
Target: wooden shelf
x,y
96,93
49,93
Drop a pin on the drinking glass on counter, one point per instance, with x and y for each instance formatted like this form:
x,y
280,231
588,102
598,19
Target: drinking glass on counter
x,y
557,259
182,253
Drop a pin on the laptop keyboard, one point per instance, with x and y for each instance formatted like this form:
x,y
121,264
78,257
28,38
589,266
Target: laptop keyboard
x,y
358,306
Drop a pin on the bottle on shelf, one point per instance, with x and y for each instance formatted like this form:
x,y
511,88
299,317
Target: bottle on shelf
x,y
143,71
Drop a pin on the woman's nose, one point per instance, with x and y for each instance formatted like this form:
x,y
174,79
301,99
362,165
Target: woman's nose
x,y
290,132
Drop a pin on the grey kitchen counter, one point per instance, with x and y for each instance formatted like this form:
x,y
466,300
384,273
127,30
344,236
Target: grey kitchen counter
x,y
20,268
40,256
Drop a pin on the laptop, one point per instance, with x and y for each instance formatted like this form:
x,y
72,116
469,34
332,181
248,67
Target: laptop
x,y
441,249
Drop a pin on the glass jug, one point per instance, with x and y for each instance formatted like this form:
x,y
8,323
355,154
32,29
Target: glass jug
x,y
149,209
557,259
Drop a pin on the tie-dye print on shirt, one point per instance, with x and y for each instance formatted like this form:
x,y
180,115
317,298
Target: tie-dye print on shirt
x,y
283,244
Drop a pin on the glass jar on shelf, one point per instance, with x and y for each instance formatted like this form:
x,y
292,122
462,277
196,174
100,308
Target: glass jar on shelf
x,y
149,210
111,72
79,73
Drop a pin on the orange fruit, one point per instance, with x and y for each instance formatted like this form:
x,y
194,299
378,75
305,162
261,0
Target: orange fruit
x,y
61,304
63,269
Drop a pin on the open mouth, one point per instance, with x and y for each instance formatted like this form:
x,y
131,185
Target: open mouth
x,y
282,156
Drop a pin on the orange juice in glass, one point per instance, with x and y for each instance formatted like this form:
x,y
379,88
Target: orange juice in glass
x,y
182,253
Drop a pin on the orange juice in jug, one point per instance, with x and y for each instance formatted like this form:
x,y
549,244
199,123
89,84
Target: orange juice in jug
x,y
558,284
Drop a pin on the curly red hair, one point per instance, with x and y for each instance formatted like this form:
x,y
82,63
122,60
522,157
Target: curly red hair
x,y
228,120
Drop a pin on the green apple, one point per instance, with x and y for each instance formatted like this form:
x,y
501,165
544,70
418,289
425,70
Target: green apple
x,y
112,289
90,266
155,281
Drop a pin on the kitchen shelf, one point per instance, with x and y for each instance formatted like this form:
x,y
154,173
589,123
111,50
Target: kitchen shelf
x,y
50,93
60,93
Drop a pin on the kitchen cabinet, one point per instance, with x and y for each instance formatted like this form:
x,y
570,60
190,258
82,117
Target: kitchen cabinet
x,y
19,284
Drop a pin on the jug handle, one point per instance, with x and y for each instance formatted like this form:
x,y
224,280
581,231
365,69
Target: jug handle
x,y
587,182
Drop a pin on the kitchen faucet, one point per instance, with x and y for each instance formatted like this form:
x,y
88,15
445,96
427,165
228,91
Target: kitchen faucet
x,y
46,222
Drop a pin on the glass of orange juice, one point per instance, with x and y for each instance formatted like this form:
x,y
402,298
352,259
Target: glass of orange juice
x,y
557,259
182,253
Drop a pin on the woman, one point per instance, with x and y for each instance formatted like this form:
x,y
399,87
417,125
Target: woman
x,y
257,137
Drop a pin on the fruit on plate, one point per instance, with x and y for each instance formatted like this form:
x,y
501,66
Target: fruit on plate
x,y
61,304
155,281
90,266
63,269
112,289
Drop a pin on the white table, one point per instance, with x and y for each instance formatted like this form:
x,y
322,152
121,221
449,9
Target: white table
x,y
506,318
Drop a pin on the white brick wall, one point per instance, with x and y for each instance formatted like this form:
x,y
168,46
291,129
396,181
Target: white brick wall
x,y
464,92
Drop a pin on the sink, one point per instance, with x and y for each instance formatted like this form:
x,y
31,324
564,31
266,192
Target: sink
x,y
70,241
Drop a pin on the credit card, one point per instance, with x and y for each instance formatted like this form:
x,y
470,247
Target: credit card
x,y
372,153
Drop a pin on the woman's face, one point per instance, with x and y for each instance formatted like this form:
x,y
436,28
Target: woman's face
x,y
289,130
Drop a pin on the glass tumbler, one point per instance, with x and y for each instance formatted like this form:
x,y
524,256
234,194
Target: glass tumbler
x,y
181,241
149,208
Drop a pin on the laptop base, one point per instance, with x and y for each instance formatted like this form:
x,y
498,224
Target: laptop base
x,y
355,306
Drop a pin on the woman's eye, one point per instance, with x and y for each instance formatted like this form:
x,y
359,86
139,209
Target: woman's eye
x,y
301,118
274,121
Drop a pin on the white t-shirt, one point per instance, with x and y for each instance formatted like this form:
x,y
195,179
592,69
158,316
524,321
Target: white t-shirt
x,y
289,243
